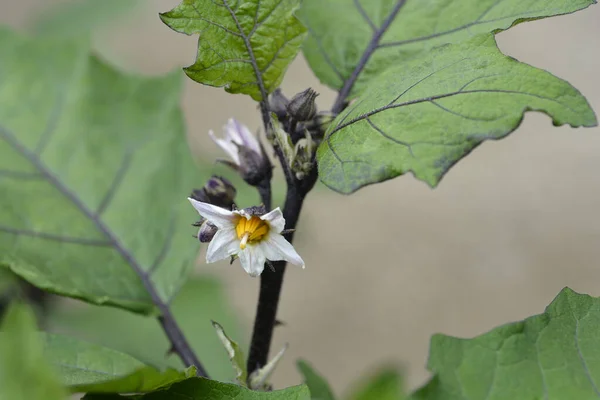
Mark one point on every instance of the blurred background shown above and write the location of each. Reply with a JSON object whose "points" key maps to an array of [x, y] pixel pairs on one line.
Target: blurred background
{"points": [[391, 265]]}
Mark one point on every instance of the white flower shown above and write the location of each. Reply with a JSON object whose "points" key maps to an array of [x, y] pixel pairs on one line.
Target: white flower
{"points": [[237, 136], [252, 238]]}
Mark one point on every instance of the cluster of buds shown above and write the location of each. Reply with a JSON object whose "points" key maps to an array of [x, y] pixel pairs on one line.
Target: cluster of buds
{"points": [[298, 129]]}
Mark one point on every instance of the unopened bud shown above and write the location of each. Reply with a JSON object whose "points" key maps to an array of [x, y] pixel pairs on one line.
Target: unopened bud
{"points": [[217, 191], [278, 104], [302, 107], [206, 232]]}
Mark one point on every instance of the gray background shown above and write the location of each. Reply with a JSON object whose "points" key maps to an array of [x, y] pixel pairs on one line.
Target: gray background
{"points": [[389, 266]]}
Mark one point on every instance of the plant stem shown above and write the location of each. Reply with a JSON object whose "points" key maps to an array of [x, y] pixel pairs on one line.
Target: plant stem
{"points": [[264, 190], [272, 281], [344, 92]]}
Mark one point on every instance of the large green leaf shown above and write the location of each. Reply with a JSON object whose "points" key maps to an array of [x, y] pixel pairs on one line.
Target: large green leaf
{"points": [[87, 367], [199, 301], [204, 389], [390, 31], [94, 172], [424, 115], [319, 388], [553, 356], [24, 373], [245, 46]]}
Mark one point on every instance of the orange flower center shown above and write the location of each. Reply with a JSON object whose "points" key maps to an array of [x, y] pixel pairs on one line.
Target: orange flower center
{"points": [[251, 230]]}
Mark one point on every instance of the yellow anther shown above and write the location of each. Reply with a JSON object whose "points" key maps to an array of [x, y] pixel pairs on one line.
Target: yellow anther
{"points": [[251, 230]]}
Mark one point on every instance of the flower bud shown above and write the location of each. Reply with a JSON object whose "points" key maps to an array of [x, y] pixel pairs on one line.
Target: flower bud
{"points": [[206, 232], [248, 157], [217, 191], [302, 107], [278, 104]]}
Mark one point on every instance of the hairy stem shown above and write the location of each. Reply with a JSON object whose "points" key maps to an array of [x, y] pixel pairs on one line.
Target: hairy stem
{"points": [[344, 92]]}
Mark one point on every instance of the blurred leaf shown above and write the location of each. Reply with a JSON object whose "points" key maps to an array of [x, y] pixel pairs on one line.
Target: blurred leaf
{"points": [[319, 388], [243, 45], [79, 17], [341, 30], [199, 301], [424, 115], [204, 389], [554, 355], [24, 373], [94, 174], [235, 353], [385, 385], [88, 367]]}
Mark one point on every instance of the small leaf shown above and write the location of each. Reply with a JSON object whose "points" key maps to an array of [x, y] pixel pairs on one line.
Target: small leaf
{"points": [[235, 353], [554, 355], [94, 174], [199, 301], [204, 389], [384, 385], [87, 367], [244, 46], [426, 114], [319, 388], [24, 373], [259, 378], [391, 31]]}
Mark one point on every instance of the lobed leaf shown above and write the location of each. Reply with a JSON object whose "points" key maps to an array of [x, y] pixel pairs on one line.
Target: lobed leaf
{"points": [[554, 356], [244, 46], [389, 32], [94, 172], [424, 115]]}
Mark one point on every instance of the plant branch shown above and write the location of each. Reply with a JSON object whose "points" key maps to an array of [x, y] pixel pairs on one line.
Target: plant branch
{"points": [[271, 282], [344, 92], [264, 190]]}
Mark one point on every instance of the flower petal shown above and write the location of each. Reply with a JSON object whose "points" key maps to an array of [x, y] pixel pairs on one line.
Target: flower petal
{"points": [[253, 260], [247, 138], [276, 248], [223, 245], [227, 146], [220, 217], [275, 219]]}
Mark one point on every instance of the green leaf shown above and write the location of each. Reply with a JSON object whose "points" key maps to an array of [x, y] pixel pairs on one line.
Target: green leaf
{"points": [[384, 385], [554, 356], [424, 115], [24, 373], [319, 388], [94, 174], [235, 353], [79, 17], [244, 46], [199, 301], [343, 31], [88, 367], [204, 389]]}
